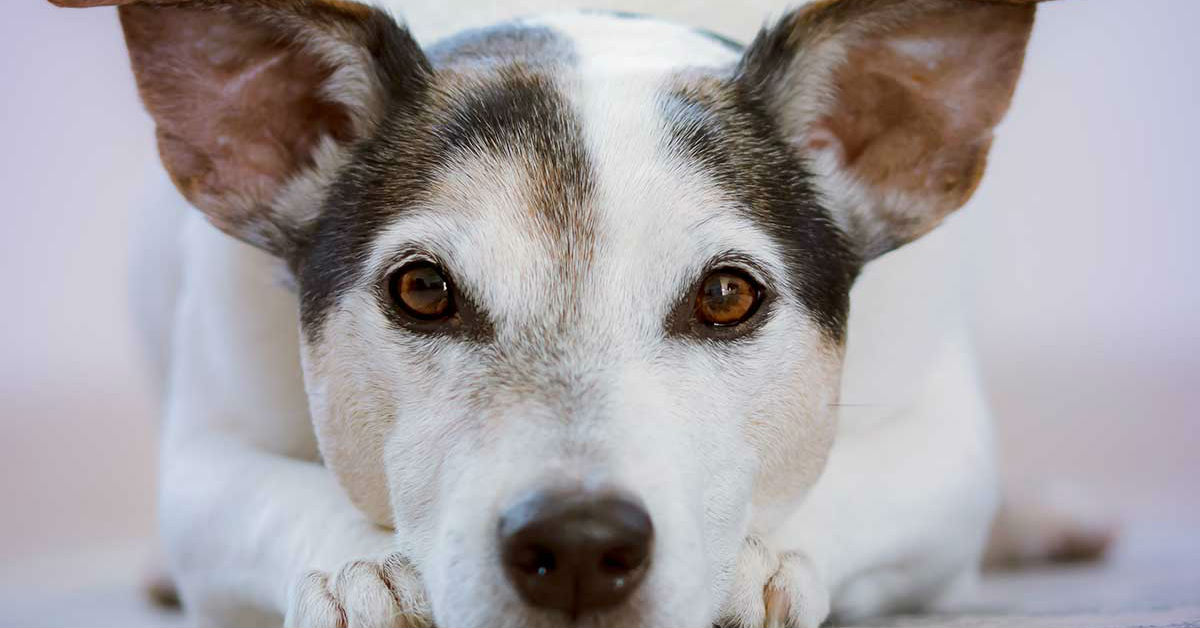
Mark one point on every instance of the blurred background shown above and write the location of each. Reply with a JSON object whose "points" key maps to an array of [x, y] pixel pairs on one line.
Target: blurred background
{"points": [[1084, 294]]}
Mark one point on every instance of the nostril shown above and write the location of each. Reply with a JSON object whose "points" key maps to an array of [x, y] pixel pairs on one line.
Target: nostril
{"points": [[533, 560], [622, 560]]}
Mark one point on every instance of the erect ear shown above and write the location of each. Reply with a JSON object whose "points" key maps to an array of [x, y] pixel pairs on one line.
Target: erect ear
{"points": [[258, 101], [892, 103]]}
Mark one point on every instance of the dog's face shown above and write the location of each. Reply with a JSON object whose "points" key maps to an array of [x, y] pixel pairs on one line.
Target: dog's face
{"points": [[589, 290], [574, 289]]}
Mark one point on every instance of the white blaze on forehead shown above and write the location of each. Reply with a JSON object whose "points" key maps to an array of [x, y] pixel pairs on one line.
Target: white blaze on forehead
{"points": [[660, 216]]}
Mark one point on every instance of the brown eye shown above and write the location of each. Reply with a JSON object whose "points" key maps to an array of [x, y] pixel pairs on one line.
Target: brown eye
{"points": [[727, 297], [422, 291]]}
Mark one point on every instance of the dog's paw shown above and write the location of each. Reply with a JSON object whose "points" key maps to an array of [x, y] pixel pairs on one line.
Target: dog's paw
{"points": [[775, 591], [363, 593]]}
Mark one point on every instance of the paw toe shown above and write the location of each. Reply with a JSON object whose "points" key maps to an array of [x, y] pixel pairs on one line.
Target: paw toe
{"points": [[366, 596], [796, 596], [313, 604]]}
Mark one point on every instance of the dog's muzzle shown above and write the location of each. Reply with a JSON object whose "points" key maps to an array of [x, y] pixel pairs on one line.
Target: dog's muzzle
{"points": [[576, 551]]}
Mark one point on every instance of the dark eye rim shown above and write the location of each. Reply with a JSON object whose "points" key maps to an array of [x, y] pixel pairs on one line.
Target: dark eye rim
{"points": [[682, 322], [393, 280], [468, 321], [734, 271]]}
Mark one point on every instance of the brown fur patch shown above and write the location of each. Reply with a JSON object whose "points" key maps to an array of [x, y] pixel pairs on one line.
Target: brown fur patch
{"points": [[238, 109], [243, 93], [905, 93], [920, 125]]}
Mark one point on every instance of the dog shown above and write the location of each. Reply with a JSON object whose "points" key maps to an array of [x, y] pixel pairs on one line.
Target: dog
{"points": [[560, 321]]}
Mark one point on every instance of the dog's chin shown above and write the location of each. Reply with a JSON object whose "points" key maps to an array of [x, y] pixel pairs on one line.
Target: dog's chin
{"points": [[483, 602], [519, 614]]}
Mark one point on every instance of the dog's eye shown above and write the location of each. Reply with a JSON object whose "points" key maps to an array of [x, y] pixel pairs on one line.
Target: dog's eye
{"points": [[422, 291], [727, 297]]}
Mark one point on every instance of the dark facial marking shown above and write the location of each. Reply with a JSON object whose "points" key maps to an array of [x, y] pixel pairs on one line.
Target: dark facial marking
{"points": [[722, 124], [510, 110], [522, 116]]}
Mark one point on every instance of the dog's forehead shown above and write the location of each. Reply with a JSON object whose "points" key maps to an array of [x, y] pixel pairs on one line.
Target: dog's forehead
{"points": [[572, 157], [618, 40]]}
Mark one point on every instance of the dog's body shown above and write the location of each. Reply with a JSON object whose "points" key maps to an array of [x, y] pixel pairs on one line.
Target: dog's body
{"points": [[899, 551], [872, 492]]}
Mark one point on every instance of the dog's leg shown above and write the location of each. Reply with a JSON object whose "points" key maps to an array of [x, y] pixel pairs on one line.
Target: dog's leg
{"points": [[246, 528], [246, 509], [903, 507]]}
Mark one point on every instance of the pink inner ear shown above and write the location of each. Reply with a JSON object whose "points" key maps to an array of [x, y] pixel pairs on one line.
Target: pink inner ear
{"points": [[238, 106], [916, 106]]}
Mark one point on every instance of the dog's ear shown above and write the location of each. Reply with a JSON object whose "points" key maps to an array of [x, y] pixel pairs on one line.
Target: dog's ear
{"points": [[258, 101], [892, 103]]}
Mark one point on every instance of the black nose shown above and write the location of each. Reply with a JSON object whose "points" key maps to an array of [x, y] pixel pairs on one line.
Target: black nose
{"points": [[576, 552]]}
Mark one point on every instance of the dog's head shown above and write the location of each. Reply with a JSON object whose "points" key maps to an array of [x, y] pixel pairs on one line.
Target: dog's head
{"points": [[574, 290]]}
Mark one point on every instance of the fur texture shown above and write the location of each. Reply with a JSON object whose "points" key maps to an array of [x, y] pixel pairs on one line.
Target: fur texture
{"points": [[576, 175]]}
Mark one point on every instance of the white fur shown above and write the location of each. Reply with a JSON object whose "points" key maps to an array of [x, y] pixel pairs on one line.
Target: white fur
{"points": [[897, 516]]}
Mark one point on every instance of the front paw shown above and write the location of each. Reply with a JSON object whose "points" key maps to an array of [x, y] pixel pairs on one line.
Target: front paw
{"points": [[775, 590], [386, 593]]}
